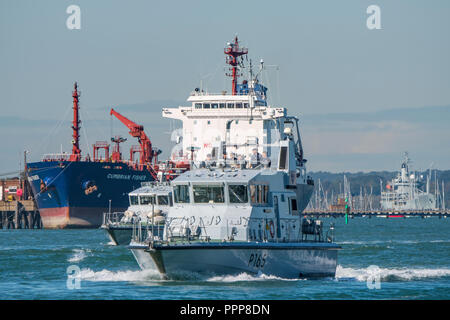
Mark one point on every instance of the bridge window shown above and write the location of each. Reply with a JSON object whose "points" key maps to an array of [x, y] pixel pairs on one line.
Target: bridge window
{"points": [[221, 105], [294, 209], [198, 106], [181, 193], [147, 200], [230, 105], [238, 193], [208, 194], [163, 200], [206, 106], [259, 193], [283, 159], [134, 201], [238, 105], [214, 152], [245, 105], [214, 105]]}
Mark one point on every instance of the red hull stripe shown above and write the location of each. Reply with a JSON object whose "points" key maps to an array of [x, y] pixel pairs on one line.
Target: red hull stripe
{"points": [[65, 217]]}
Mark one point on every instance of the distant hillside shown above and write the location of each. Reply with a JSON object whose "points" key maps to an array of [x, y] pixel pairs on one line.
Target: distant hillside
{"points": [[333, 183]]}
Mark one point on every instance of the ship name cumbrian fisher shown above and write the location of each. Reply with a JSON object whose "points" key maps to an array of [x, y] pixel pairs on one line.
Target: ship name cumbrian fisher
{"points": [[125, 176]]}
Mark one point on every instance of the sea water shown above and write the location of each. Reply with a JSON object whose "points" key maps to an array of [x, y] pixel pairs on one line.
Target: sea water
{"points": [[381, 258]]}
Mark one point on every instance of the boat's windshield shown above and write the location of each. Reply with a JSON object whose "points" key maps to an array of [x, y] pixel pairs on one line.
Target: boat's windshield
{"points": [[146, 199], [134, 201], [238, 193], [181, 193], [208, 194], [163, 200]]}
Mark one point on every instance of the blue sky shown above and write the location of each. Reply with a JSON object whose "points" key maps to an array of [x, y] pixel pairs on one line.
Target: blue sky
{"points": [[364, 96]]}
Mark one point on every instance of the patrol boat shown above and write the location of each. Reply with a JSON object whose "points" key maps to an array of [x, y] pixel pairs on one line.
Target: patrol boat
{"points": [[240, 207], [148, 207]]}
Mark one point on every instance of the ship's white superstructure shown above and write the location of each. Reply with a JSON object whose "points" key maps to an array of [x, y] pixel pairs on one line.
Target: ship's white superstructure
{"points": [[227, 134]]}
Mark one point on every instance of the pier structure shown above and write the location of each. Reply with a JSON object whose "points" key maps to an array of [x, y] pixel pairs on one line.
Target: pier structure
{"points": [[20, 214], [442, 213], [18, 209]]}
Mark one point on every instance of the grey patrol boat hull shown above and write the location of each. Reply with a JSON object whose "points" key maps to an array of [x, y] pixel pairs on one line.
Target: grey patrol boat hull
{"points": [[119, 235], [285, 260], [142, 257]]}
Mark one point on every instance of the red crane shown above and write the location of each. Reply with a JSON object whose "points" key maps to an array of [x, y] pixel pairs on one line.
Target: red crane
{"points": [[146, 153]]}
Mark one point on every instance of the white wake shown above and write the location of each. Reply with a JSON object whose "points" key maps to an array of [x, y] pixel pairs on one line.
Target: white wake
{"points": [[79, 255], [387, 274], [127, 275]]}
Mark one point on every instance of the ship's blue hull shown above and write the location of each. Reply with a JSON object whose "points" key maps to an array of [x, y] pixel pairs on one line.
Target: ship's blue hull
{"points": [[76, 194]]}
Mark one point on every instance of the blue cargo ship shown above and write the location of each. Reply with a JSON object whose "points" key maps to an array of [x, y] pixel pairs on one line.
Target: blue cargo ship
{"points": [[72, 191], [75, 194]]}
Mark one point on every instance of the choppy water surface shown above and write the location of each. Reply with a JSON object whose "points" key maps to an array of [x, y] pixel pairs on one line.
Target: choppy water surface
{"points": [[410, 257]]}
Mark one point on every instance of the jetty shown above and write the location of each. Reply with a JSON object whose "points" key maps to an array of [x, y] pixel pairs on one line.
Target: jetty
{"points": [[378, 213], [21, 214]]}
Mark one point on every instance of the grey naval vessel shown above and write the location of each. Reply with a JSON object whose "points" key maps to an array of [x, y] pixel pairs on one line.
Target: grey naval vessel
{"points": [[239, 208], [405, 191]]}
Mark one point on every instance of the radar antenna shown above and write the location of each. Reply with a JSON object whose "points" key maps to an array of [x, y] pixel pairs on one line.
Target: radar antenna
{"points": [[235, 60], [76, 151]]}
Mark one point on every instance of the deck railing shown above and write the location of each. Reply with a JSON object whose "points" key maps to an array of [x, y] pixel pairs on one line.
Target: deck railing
{"points": [[110, 218]]}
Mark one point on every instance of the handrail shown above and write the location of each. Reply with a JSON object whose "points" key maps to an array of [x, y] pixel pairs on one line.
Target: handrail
{"points": [[56, 156], [110, 218]]}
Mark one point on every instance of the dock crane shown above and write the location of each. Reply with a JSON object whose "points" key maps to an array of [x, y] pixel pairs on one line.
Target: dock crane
{"points": [[146, 153]]}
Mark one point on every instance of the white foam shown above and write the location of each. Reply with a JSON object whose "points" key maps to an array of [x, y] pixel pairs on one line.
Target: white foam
{"points": [[246, 277], [342, 273], [362, 274], [153, 275], [79, 255], [358, 242], [440, 241], [126, 275]]}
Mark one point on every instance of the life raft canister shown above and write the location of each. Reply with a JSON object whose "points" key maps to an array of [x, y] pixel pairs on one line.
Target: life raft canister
{"points": [[271, 228]]}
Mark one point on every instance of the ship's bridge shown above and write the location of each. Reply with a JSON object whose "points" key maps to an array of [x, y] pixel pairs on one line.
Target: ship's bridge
{"points": [[215, 125], [236, 126]]}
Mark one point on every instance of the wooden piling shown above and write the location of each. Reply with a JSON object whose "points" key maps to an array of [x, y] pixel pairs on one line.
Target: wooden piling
{"points": [[11, 224], [39, 221], [16, 218], [31, 220], [26, 223]]}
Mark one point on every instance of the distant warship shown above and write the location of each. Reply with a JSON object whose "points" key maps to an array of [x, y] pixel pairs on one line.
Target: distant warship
{"points": [[404, 193]]}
